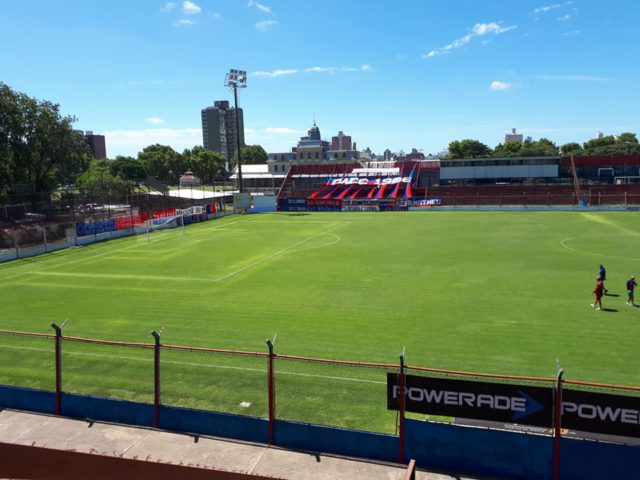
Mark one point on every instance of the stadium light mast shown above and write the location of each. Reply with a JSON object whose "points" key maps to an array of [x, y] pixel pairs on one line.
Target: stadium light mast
{"points": [[236, 79]]}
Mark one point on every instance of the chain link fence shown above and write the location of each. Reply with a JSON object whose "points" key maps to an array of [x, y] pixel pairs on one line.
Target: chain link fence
{"points": [[349, 395], [322, 392], [27, 361]]}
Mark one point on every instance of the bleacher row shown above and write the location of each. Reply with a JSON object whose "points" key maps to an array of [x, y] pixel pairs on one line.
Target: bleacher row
{"points": [[310, 181]]}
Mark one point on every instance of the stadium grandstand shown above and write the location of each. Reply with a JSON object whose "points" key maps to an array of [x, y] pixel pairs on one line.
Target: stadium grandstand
{"points": [[528, 181]]}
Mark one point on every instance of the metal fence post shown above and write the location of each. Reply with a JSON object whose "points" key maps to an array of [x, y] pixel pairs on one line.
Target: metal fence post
{"points": [[58, 361], [156, 378], [401, 398], [557, 424], [271, 392]]}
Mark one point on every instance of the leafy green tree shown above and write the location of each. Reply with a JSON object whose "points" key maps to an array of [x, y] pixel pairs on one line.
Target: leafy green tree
{"points": [[38, 146], [595, 143], [571, 148], [207, 165], [627, 137], [98, 181], [163, 162], [540, 148], [468, 149], [127, 168], [509, 149], [251, 154]]}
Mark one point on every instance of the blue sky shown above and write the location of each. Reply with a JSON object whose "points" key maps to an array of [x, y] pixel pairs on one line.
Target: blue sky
{"points": [[393, 74]]}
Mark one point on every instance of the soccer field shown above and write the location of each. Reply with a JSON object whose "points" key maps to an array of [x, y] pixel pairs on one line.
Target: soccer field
{"points": [[496, 292]]}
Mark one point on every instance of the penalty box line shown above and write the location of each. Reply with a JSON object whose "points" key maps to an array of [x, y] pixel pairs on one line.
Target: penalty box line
{"points": [[195, 364], [186, 279]]}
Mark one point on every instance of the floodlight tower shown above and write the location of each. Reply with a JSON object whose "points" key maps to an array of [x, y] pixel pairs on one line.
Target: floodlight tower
{"points": [[236, 79]]}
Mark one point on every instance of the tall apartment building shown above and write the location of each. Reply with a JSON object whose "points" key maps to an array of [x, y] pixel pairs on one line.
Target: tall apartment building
{"points": [[219, 129], [341, 142], [97, 145]]}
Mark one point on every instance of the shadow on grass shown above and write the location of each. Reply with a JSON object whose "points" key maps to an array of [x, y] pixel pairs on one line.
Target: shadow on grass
{"points": [[609, 310], [612, 294]]}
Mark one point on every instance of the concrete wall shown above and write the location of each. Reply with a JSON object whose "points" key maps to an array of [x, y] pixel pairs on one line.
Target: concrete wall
{"points": [[505, 171]]}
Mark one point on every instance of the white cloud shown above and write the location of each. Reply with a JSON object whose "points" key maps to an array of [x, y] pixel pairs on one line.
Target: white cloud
{"points": [[274, 73], [500, 86], [167, 7], [478, 30], [154, 120], [320, 69], [265, 25], [183, 22], [135, 140], [190, 8], [366, 68], [280, 130], [571, 33], [574, 78], [260, 6], [546, 8], [564, 18]]}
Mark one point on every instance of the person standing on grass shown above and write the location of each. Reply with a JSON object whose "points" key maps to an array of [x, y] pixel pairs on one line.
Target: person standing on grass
{"points": [[603, 276], [631, 285], [598, 292]]}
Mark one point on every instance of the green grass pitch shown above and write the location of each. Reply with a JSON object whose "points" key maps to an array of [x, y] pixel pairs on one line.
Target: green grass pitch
{"points": [[496, 292]]}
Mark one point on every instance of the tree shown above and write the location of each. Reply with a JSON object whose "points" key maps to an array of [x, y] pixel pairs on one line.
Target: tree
{"points": [[540, 148], [627, 137], [468, 149], [98, 182], [207, 165], [571, 148], [38, 146], [509, 149], [163, 162], [251, 154], [127, 168]]}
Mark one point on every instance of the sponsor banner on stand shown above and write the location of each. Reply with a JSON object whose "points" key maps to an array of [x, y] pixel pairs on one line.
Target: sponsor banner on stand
{"points": [[497, 402], [426, 202], [368, 181], [601, 413]]}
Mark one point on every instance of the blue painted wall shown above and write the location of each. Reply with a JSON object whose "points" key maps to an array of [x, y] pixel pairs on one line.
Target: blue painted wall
{"points": [[212, 423], [353, 443], [480, 451], [586, 459], [27, 399], [106, 409]]}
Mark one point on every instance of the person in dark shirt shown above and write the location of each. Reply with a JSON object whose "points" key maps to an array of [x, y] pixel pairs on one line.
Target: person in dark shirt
{"points": [[631, 285], [598, 291], [602, 275]]}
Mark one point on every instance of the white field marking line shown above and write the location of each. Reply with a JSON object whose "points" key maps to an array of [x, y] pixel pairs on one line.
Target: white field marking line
{"points": [[336, 240], [194, 364], [89, 259], [84, 286], [182, 279], [595, 218], [264, 259], [563, 243]]}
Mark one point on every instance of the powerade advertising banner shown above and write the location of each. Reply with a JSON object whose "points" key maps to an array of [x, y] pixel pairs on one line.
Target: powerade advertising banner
{"points": [[601, 413], [496, 402], [368, 181]]}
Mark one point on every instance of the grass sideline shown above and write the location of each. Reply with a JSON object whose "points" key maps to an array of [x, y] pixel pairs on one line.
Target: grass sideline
{"points": [[495, 292]]}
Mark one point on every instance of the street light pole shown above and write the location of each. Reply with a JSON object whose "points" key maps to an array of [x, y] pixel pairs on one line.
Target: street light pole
{"points": [[237, 79]]}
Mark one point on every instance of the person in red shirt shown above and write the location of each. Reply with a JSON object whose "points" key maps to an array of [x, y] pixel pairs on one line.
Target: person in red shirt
{"points": [[631, 285], [598, 292]]}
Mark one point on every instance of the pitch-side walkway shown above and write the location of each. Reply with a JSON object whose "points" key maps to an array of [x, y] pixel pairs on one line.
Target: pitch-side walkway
{"points": [[27, 429]]}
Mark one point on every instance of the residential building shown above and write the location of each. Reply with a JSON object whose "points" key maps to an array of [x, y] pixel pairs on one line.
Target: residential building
{"points": [[311, 149], [414, 156], [96, 143], [219, 129], [513, 137], [341, 142]]}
